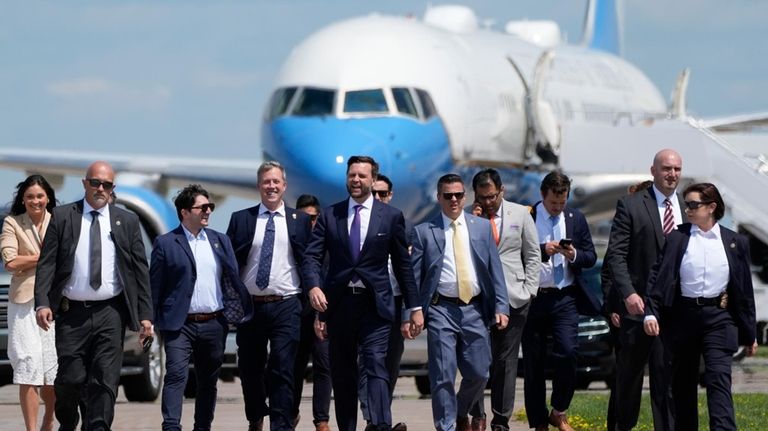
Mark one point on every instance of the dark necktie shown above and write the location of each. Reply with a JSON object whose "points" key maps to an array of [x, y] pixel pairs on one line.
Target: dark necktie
{"points": [[265, 257], [354, 239], [669, 220], [557, 260], [95, 243]]}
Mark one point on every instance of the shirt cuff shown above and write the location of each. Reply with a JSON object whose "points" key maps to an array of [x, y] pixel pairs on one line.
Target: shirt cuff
{"points": [[575, 252], [649, 318]]}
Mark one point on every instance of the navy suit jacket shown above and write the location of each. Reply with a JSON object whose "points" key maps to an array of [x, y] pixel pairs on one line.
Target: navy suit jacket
{"points": [[664, 284], [172, 275], [386, 237], [587, 302], [427, 257]]}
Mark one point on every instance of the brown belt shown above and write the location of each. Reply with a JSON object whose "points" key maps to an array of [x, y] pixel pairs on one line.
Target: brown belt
{"points": [[203, 317], [260, 299]]}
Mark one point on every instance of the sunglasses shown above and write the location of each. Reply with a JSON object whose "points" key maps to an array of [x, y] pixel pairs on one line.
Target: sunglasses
{"points": [[93, 182], [694, 205], [381, 193], [449, 196], [204, 207]]}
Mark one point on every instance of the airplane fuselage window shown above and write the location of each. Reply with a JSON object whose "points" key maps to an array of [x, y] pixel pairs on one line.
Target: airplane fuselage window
{"points": [[365, 101], [404, 101], [426, 104], [280, 101], [314, 102]]}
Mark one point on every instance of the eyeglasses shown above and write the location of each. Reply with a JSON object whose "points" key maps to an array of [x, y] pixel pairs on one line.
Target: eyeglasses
{"points": [[694, 205], [491, 197], [204, 207], [93, 182], [381, 193], [449, 196]]}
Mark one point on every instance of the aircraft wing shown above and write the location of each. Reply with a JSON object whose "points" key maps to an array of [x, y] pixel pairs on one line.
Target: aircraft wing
{"points": [[220, 176], [738, 123]]}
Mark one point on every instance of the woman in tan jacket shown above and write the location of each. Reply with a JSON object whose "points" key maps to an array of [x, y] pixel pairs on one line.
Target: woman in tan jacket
{"points": [[31, 350]]}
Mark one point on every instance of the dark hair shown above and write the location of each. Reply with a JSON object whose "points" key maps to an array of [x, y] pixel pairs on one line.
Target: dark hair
{"points": [[486, 177], [382, 177], [638, 187], [305, 201], [557, 183], [17, 207], [365, 159], [448, 179], [185, 198], [709, 194]]}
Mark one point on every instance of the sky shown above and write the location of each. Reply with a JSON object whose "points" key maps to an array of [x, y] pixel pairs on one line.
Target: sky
{"points": [[192, 77]]}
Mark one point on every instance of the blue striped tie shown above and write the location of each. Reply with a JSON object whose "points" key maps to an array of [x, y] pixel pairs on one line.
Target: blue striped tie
{"points": [[265, 257]]}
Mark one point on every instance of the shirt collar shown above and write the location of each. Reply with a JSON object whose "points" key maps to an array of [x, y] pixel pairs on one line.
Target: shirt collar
{"points": [[460, 220], [541, 209], [280, 209], [367, 204], [200, 236], [660, 197], [87, 208], [712, 233]]}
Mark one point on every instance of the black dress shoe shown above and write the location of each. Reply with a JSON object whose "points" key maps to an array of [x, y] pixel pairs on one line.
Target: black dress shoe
{"points": [[401, 426], [256, 426]]}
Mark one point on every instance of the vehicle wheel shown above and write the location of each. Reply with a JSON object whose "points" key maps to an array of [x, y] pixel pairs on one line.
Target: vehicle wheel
{"points": [[146, 386], [422, 385]]}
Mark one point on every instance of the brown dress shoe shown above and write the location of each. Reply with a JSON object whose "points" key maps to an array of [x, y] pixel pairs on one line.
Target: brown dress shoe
{"points": [[401, 426], [560, 421], [462, 424], [322, 426], [478, 424]]}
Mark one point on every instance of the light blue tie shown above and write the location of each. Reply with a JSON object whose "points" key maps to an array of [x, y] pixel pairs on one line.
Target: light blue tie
{"points": [[557, 259], [265, 257]]}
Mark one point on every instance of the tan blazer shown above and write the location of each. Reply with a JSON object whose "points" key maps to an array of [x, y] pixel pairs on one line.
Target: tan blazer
{"points": [[20, 238]]}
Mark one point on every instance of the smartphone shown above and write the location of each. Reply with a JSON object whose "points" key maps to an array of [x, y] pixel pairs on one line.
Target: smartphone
{"points": [[147, 343], [565, 242]]}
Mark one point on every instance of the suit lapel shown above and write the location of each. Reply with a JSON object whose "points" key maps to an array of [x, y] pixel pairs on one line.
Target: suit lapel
{"points": [[681, 204], [216, 246], [181, 239], [33, 239], [475, 236], [568, 222], [652, 208], [340, 213], [438, 233], [76, 221], [250, 222], [290, 221], [729, 243], [373, 226]]}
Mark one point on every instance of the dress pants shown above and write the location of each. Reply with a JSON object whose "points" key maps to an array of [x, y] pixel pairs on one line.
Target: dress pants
{"points": [[89, 343], [261, 372], [355, 329], [555, 314], [203, 343], [309, 344], [457, 339], [639, 349], [505, 345]]}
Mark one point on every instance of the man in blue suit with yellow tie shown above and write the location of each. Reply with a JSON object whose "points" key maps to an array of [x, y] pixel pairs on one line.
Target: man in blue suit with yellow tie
{"points": [[463, 293]]}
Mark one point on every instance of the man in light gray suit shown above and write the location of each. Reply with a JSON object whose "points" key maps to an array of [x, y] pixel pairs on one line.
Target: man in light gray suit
{"points": [[462, 292], [515, 234]]}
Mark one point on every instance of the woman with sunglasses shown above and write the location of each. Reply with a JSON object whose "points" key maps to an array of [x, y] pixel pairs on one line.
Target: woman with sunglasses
{"points": [[31, 350], [700, 300]]}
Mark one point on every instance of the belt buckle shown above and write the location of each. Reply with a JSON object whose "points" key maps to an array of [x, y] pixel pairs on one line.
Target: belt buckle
{"points": [[698, 301]]}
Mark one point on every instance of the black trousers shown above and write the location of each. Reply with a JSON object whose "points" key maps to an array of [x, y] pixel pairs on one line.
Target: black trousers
{"points": [[89, 345], [310, 345]]}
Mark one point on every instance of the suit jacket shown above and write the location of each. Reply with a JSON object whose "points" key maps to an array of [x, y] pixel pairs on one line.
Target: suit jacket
{"points": [[57, 259], [519, 252], [587, 302], [427, 257], [664, 284], [635, 242], [20, 238], [242, 228], [173, 273], [386, 237]]}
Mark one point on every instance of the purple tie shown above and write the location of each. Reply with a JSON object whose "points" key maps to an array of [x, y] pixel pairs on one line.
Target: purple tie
{"points": [[354, 239]]}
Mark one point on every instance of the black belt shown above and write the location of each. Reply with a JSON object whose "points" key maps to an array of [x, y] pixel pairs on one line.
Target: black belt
{"points": [[203, 317], [357, 290], [700, 301], [67, 303], [554, 289], [456, 300], [260, 299]]}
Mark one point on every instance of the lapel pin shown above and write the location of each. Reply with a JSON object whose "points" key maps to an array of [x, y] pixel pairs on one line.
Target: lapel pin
{"points": [[733, 245], [294, 216], [117, 222], [216, 245]]}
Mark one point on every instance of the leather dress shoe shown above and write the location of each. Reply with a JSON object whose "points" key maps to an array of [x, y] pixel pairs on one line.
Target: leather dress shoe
{"points": [[322, 426], [478, 424], [401, 426], [560, 421], [542, 428], [462, 424], [256, 426]]}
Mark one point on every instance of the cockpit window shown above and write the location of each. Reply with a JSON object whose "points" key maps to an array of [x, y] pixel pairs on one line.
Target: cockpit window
{"points": [[280, 101], [314, 102], [365, 101], [404, 101], [426, 104]]}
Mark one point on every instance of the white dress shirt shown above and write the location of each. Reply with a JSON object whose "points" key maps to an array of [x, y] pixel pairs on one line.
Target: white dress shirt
{"points": [[365, 219], [704, 270], [78, 287], [449, 284], [206, 295], [662, 207], [283, 274], [544, 229]]}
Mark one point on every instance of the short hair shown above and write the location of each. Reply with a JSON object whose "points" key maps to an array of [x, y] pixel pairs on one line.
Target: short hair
{"points": [[448, 179], [382, 177], [185, 198], [365, 159], [639, 187], [486, 177], [305, 201], [709, 194], [266, 166], [33, 180], [557, 183]]}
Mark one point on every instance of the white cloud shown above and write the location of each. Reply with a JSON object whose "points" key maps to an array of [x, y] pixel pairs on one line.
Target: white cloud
{"points": [[79, 87]]}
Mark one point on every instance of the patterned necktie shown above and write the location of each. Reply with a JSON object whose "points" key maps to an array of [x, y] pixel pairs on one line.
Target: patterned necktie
{"points": [[494, 229], [557, 258], [669, 220], [95, 244], [354, 239], [265, 257], [462, 265]]}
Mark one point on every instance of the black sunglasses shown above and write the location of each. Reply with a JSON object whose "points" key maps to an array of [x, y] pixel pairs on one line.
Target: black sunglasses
{"points": [[93, 182], [694, 205], [449, 196], [204, 207], [381, 193]]}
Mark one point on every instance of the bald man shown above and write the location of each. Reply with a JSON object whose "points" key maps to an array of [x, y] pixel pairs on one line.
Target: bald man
{"points": [[92, 279]]}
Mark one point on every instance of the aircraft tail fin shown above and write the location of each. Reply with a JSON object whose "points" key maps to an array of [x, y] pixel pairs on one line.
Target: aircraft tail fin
{"points": [[603, 26]]}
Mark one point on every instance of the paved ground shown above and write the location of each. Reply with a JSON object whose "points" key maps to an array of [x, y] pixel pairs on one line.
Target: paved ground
{"points": [[750, 376]]}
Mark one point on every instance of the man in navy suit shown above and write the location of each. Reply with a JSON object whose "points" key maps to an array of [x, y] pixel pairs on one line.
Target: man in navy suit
{"points": [[560, 299], [196, 292], [463, 291], [356, 304], [269, 241]]}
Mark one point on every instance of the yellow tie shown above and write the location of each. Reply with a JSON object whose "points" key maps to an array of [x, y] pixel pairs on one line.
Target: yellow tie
{"points": [[462, 265]]}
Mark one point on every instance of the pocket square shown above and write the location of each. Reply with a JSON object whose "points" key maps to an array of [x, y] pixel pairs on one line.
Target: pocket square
{"points": [[514, 226]]}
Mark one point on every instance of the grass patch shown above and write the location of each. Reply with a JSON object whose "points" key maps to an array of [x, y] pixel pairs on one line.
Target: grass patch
{"points": [[587, 412], [762, 351]]}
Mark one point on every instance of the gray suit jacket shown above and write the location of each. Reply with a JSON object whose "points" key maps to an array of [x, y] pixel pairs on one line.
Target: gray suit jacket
{"points": [[519, 252]]}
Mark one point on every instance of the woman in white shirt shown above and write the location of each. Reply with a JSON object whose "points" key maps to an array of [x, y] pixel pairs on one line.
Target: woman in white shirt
{"points": [[700, 300]]}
